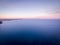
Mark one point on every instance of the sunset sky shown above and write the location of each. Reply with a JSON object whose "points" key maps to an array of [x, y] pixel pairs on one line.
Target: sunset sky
{"points": [[30, 9]]}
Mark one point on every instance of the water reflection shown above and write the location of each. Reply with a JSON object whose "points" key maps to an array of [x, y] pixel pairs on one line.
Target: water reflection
{"points": [[30, 32]]}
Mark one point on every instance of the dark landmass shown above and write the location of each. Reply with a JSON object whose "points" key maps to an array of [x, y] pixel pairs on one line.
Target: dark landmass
{"points": [[0, 22], [9, 19]]}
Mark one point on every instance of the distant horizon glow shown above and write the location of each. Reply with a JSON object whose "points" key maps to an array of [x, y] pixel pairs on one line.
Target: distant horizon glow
{"points": [[41, 9], [30, 17]]}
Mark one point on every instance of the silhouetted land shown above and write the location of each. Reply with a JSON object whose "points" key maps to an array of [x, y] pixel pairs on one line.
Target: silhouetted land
{"points": [[9, 19], [0, 22]]}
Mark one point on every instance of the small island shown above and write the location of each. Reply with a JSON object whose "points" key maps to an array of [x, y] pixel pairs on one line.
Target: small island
{"points": [[0, 22]]}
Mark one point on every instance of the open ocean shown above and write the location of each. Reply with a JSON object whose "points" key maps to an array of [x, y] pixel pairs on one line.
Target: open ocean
{"points": [[30, 32]]}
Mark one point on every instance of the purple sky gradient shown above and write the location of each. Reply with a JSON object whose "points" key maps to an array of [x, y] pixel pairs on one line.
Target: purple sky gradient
{"points": [[29, 8]]}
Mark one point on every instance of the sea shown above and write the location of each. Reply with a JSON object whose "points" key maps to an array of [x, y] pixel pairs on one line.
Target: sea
{"points": [[30, 32]]}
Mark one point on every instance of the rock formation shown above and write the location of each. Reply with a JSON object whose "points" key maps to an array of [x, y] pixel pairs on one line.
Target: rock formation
{"points": [[0, 22]]}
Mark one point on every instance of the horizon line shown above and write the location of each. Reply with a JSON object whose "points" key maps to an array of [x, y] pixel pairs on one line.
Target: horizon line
{"points": [[29, 18]]}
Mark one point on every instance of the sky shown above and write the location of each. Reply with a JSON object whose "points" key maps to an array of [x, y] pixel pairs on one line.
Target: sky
{"points": [[30, 9]]}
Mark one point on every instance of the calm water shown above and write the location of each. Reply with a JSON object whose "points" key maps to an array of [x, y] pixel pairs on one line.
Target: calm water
{"points": [[28, 31]]}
